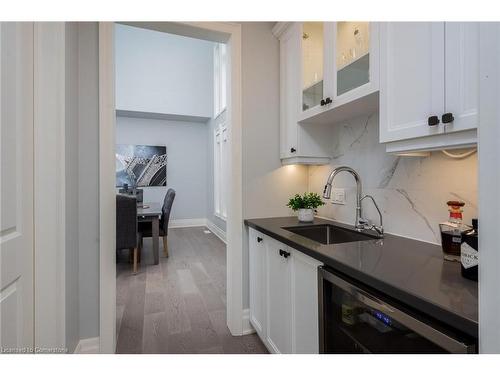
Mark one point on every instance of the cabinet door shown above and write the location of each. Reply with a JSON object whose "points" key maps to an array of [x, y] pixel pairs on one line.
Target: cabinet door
{"points": [[462, 75], [305, 331], [279, 330], [411, 79], [289, 89], [257, 277], [356, 58]]}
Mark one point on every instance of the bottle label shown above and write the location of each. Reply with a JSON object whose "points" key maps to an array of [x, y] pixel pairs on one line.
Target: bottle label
{"points": [[468, 256]]}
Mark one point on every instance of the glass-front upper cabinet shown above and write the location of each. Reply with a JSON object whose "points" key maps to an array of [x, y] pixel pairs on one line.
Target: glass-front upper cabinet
{"points": [[352, 55], [312, 42]]}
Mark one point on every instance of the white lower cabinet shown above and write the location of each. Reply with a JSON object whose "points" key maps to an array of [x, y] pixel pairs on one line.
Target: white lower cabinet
{"points": [[283, 295], [257, 271]]}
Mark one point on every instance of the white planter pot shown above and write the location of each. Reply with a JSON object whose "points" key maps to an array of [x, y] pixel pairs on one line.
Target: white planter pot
{"points": [[306, 215]]}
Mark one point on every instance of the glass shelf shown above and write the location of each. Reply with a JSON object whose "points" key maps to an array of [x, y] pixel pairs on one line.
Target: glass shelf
{"points": [[352, 55]]}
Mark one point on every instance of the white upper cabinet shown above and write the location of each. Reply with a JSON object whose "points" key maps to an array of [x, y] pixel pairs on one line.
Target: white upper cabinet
{"points": [[412, 76], [298, 145], [461, 75], [428, 85], [339, 70]]}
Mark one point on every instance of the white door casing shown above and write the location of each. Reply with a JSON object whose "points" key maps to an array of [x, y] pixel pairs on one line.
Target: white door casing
{"points": [[16, 181]]}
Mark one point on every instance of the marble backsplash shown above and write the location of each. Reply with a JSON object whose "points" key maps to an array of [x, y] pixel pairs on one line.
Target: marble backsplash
{"points": [[410, 191]]}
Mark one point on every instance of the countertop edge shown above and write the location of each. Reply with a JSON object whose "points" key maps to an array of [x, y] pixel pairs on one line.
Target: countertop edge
{"points": [[447, 317]]}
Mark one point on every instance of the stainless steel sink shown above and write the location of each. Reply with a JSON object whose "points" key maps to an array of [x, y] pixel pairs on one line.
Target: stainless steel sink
{"points": [[328, 234]]}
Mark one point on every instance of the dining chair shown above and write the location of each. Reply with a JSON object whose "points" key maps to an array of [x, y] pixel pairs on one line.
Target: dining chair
{"points": [[145, 228], [127, 234]]}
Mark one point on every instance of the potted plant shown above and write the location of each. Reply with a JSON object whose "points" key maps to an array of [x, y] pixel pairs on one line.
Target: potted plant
{"points": [[305, 204]]}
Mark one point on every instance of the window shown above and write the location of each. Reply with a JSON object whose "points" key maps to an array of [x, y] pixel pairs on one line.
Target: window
{"points": [[220, 170], [220, 78]]}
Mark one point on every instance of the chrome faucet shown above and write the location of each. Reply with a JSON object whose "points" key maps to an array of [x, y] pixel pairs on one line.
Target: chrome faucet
{"points": [[360, 223]]}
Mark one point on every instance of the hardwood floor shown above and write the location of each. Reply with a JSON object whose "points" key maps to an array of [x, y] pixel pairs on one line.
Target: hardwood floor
{"points": [[178, 306]]}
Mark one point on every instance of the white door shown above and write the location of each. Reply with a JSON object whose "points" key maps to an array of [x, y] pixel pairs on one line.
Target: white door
{"points": [[462, 75], [289, 89], [411, 79], [305, 328], [16, 181], [279, 302], [257, 260]]}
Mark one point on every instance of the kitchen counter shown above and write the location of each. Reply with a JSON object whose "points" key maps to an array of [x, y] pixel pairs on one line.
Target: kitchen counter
{"points": [[409, 271]]}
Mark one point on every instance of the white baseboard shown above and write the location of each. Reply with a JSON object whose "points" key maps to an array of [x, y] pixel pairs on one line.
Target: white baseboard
{"points": [[184, 223], [216, 230], [247, 327], [88, 346]]}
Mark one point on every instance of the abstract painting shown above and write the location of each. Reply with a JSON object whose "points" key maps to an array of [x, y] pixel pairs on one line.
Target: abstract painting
{"points": [[141, 165]]}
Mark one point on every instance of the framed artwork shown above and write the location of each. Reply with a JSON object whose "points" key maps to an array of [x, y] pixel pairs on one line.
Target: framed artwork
{"points": [[141, 165]]}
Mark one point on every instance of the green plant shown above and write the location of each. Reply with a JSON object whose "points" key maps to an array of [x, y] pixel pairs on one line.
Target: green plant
{"points": [[307, 200]]}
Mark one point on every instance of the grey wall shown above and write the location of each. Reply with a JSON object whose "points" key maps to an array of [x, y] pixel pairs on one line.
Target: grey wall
{"points": [[71, 193], [412, 192], [163, 73], [88, 178], [187, 155], [266, 184]]}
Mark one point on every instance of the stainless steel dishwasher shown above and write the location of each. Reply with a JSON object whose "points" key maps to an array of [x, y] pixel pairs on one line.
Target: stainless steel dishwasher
{"points": [[353, 320]]}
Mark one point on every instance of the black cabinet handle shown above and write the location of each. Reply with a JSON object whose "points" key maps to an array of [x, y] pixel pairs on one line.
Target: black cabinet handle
{"points": [[328, 100], [322, 102], [284, 253], [447, 118], [433, 120], [292, 150], [259, 239]]}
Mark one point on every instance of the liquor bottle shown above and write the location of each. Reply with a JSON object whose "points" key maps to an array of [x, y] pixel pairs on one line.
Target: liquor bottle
{"points": [[469, 253], [452, 231]]}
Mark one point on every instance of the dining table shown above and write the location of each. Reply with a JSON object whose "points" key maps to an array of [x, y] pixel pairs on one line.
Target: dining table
{"points": [[151, 212]]}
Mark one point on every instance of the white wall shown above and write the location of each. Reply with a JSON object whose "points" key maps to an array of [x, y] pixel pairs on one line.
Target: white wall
{"points": [[163, 73], [411, 192], [267, 185], [187, 155]]}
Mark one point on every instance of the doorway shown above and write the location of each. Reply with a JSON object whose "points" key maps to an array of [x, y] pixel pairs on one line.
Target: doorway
{"points": [[216, 32]]}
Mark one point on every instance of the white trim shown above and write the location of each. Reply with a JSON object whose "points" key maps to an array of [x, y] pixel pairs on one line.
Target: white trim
{"points": [[87, 346], [489, 185], [306, 160], [280, 27], [107, 199], [216, 230], [49, 183], [247, 326], [222, 32], [185, 223]]}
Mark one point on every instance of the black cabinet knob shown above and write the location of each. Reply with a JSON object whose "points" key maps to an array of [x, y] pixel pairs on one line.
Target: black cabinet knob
{"points": [[292, 150], [447, 118], [328, 100], [433, 120], [259, 239], [284, 253], [322, 102]]}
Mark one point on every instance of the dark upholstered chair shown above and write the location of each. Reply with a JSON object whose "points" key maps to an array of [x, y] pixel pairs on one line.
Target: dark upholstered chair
{"points": [[127, 236], [145, 228]]}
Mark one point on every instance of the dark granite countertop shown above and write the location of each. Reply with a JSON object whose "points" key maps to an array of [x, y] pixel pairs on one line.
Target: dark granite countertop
{"points": [[410, 271]]}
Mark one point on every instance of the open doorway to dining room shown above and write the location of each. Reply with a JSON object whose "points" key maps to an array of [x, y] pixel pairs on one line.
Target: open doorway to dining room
{"points": [[175, 192]]}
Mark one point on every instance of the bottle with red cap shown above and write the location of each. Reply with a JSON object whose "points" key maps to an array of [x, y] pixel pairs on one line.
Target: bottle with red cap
{"points": [[452, 231]]}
